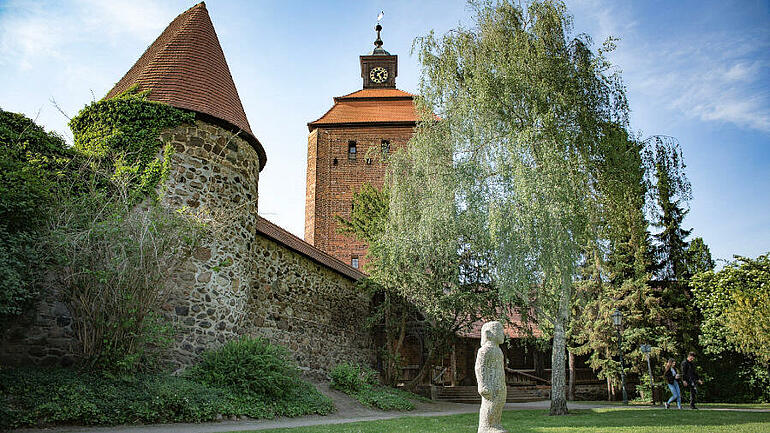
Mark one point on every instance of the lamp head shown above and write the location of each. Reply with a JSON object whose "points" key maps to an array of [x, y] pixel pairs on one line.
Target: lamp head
{"points": [[617, 318]]}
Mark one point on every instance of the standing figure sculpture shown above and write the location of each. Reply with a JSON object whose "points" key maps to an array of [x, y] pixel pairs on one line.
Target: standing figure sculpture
{"points": [[490, 375]]}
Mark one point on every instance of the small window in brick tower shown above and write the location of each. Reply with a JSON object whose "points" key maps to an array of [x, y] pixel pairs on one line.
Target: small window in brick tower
{"points": [[352, 149], [354, 262], [385, 148]]}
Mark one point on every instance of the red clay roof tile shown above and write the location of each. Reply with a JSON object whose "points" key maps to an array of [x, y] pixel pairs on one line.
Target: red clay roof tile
{"points": [[287, 239], [370, 106], [186, 68]]}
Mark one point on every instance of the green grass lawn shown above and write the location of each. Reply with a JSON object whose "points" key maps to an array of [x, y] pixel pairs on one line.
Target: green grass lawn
{"points": [[579, 421], [686, 404]]}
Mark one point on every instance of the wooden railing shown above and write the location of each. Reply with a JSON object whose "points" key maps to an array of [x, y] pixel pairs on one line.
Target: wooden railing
{"points": [[527, 376]]}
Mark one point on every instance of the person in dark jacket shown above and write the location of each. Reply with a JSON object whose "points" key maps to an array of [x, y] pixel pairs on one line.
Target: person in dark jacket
{"points": [[672, 378], [690, 378]]}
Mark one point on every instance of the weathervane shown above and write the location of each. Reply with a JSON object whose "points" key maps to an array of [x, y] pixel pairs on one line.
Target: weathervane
{"points": [[378, 27]]}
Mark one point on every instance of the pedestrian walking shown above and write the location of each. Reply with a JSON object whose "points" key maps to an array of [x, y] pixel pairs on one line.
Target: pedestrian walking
{"points": [[690, 378], [672, 378]]}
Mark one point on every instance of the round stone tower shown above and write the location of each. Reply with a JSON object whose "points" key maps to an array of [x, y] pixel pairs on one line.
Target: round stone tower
{"points": [[215, 171]]}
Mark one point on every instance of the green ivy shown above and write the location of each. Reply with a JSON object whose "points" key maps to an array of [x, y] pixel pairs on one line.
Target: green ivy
{"points": [[125, 131]]}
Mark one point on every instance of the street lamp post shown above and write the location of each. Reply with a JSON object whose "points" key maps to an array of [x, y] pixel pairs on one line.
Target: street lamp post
{"points": [[646, 349], [617, 319]]}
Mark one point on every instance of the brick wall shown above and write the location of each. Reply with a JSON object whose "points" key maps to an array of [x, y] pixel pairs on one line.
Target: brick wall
{"points": [[330, 186]]}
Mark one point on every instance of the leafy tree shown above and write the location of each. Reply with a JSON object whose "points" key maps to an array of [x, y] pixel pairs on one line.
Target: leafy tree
{"points": [[735, 303], [499, 192], [395, 306], [30, 162], [369, 214], [698, 257]]}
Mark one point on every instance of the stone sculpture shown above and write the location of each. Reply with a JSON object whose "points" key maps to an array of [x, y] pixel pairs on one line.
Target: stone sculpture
{"points": [[490, 375]]}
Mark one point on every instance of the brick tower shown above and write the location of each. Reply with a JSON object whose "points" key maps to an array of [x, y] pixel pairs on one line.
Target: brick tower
{"points": [[349, 145]]}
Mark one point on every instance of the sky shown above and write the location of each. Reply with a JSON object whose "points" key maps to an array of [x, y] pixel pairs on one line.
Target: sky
{"points": [[695, 70]]}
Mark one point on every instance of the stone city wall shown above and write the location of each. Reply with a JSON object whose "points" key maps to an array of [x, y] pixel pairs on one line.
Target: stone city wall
{"points": [[238, 282]]}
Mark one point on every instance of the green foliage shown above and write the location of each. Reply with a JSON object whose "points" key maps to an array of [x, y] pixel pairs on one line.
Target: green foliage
{"points": [[19, 255], [351, 378], [618, 278], [669, 190], [735, 303], [361, 383], [260, 380], [699, 257], [733, 377], [124, 134], [33, 396], [31, 163], [59, 396], [250, 365], [369, 215], [74, 211], [508, 175], [114, 262]]}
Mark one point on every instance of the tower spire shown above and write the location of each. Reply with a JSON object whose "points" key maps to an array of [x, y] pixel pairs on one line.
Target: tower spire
{"points": [[378, 50]]}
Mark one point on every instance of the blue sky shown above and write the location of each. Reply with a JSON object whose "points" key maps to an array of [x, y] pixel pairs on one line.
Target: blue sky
{"points": [[695, 70]]}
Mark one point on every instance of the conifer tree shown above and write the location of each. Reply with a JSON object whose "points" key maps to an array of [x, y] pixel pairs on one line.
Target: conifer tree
{"points": [[670, 192], [618, 279]]}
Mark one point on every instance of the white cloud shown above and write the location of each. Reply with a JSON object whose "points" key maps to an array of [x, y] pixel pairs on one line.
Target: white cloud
{"points": [[711, 76], [33, 34]]}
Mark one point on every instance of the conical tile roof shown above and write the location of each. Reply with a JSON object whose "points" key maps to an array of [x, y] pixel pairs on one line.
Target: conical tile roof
{"points": [[186, 68]]}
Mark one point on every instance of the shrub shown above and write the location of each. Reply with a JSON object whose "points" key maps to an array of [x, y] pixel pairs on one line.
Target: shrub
{"points": [[61, 396], [351, 378], [31, 161], [114, 268], [36, 397], [250, 365], [360, 382], [19, 269], [260, 378]]}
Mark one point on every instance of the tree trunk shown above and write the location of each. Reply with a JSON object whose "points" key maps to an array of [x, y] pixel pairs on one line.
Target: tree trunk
{"points": [[454, 365], [558, 354], [571, 391], [537, 359], [610, 390]]}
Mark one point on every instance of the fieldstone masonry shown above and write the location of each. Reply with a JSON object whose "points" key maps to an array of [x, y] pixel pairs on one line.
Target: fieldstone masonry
{"points": [[213, 172], [238, 282]]}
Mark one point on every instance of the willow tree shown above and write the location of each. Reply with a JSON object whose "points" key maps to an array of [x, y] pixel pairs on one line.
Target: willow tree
{"points": [[506, 176]]}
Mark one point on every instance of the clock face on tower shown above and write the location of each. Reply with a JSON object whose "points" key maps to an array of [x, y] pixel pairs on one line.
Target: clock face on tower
{"points": [[378, 75]]}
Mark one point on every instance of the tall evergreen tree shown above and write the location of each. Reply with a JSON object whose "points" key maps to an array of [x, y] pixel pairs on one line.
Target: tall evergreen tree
{"points": [[618, 279], [670, 190]]}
